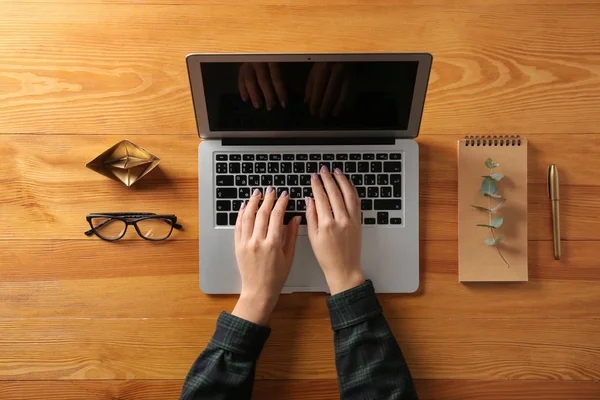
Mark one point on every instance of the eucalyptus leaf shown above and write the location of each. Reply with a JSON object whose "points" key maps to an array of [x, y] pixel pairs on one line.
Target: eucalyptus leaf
{"points": [[493, 195], [488, 187], [497, 222], [481, 208], [492, 241], [493, 177], [498, 205], [486, 226], [489, 163]]}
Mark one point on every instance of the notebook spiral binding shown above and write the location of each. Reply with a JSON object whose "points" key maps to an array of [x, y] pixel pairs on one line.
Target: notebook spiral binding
{"points": [[493, 141]]}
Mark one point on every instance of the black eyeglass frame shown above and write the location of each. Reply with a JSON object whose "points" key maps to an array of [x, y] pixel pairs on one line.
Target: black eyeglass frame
{"points": [[130, 218]]}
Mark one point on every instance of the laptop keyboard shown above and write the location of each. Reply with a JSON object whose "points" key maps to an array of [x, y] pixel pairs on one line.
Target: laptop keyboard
{"points": [[376, 175]]}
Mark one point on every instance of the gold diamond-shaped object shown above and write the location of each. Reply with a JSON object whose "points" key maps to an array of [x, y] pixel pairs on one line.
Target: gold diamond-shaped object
{"points": [[125, 161]]}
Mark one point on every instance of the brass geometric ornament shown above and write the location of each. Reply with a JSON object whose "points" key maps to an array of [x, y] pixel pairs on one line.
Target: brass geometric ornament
{"points": [[125, 161]]}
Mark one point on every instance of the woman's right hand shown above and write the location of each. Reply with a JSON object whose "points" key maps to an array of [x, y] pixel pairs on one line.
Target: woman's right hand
{"points": [[334, 229]]}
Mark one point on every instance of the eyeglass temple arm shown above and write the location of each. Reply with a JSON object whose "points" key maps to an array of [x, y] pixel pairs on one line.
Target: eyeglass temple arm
{"points": [[177, 226]]}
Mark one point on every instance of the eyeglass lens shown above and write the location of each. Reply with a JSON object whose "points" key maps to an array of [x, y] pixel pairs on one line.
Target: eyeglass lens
{"points": [[155, 228], [108, 228]]}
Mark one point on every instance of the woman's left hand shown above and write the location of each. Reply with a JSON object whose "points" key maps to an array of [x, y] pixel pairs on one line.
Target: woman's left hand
{"points": [[264, 250]]}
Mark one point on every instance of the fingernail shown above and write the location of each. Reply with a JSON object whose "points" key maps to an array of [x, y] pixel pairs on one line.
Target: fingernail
{"points": [[338, 171], [297, 220], [269, 189], [256, 105], [284, 193], [314, 176], [283, 105], [244, 98], [307, 201], [324, 168], [269, 107], [243, 206], [256, 192]]}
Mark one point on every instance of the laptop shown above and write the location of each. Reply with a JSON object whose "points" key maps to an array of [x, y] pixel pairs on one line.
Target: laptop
{"points": [[273, 119]]}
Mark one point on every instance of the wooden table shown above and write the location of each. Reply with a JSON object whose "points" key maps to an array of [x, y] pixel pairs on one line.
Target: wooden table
{"points": [[84, 319]]}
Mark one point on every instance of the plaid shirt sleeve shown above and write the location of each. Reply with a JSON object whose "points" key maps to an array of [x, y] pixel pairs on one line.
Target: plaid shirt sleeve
{"points": [[368, 359], [225, 369]]}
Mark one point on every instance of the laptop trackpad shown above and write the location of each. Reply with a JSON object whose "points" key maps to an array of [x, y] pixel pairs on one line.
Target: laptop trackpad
{"points": [[306, 274]]}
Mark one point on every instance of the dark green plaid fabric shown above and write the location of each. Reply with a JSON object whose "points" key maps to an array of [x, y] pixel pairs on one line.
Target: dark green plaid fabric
{"points": [[225, 369], [369, 362]]}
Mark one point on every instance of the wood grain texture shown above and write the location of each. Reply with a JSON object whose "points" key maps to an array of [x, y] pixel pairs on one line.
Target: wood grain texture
{"points": [[92, 390], [300, 390], [52, 191], [499, 66], [502, 390], [142, 280], [57, 348], [84, 319]]}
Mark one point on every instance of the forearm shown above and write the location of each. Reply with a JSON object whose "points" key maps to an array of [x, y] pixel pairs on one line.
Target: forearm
{"points": [[369, 361], [225, 369]]}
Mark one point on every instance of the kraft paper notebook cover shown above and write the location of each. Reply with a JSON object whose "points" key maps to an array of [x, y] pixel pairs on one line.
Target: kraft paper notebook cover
{"points": [[478, 261]]}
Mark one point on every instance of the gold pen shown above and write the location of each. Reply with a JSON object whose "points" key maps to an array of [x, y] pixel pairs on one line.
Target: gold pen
{"points": [[554, 195]]}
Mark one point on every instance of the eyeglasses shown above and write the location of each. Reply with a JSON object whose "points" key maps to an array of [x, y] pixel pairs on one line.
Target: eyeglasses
{"points": [[150, 226]]}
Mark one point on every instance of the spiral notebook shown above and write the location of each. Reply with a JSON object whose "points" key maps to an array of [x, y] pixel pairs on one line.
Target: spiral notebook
{"points": [[492, 209]]}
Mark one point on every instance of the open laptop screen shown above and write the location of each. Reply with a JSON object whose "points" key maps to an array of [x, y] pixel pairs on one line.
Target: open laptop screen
{"points": [[309, 96]]}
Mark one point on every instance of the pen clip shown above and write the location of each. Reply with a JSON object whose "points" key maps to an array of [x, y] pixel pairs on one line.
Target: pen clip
{"points": [[548, 182], [553, 189]]}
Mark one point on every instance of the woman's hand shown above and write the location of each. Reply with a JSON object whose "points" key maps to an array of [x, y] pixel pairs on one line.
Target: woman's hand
{"points": [[264, 254], [262, 83], [334, 230]]}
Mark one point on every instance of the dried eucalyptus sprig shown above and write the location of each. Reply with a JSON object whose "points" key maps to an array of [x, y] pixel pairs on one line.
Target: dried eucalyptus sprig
{"points": [[490, 190]]}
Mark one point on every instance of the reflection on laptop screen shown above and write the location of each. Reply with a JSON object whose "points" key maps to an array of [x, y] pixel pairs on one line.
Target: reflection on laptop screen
{"points": [[307, 96]]}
